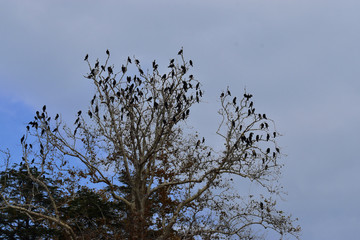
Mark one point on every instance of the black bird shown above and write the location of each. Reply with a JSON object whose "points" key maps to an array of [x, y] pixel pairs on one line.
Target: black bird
{"points": [[123, 68], [107, 52], [102, 67], [110, 70], [129, 59], [267, 137], [261, 205], [222, 95], [268, 150], [191, 63], [228, 92], [56, 117], [251, 104], [55, 130], [32, 161], [262, 126], [197, 86], [163, 76], [187, 112], [86, 57], [96, 109], [264, 116], [233, 123], [22, 139], [266, 125], [191, 77], [90, 114], [274, 154], [156, 105], [203, 140], [141, 71], [79, 113], [209, 154], [137, 62], [274, 133], [278, 150], [44, 108], [234, 101], [27, 128], [128, 78], [149, 99], [180, 52]]}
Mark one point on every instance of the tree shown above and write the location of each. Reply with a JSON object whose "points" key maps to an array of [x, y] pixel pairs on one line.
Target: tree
{"points": [[133, 146]]}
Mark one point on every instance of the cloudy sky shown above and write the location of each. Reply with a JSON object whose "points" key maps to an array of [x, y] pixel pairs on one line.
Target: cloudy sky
{"points": [[299, 58]]}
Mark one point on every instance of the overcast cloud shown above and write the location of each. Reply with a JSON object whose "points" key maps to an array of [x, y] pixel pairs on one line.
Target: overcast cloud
{"points": [[299, 58]]}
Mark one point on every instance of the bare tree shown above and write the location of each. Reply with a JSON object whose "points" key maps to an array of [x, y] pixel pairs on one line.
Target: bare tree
{"points": [[132, 143]]}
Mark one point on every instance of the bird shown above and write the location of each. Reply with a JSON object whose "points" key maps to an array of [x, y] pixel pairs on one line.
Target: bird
{"points": [[22, 139], [90, 114], [123, 69], [79, 113], [56, 117], [233, 123], [278, 150], [86, 57], [228, 92], [129, 60], [267, 137], [234, 101], [261, 205], [44, 108], [180, 52], [55, 130], [191, 63], [222, 95], [274, 133], [107, 52], [137, 62], [264, 116], [110, 70], [268, 150]]}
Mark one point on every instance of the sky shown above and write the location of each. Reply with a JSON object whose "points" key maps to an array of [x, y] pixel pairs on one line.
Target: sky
{"points": [[299, 58]]}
